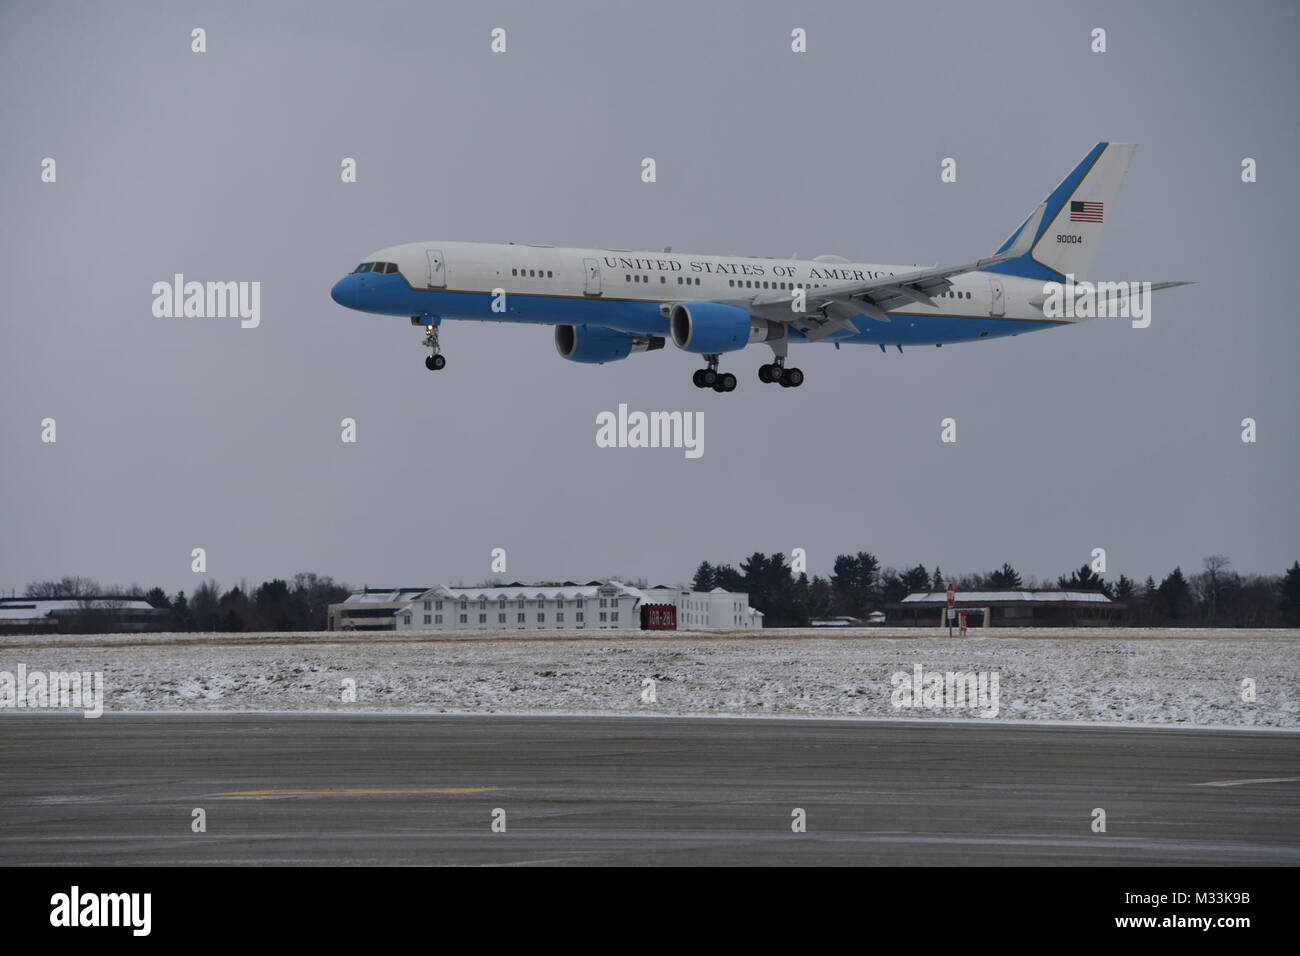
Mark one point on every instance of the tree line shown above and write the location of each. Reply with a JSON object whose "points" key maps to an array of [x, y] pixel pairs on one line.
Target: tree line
{"points": [[1216, 596], [275, 605]]}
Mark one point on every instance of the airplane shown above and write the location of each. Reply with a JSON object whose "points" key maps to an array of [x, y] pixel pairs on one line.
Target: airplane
{"points": [[606, 304]]}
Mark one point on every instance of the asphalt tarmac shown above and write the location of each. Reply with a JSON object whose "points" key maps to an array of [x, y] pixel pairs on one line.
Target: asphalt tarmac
{"points": [[277, 789]]}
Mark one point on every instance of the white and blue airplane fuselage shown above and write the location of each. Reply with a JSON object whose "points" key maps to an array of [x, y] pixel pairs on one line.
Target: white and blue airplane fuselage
{"points": [[609, 303]]}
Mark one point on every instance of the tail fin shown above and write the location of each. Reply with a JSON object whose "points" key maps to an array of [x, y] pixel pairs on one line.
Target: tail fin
{"points": [[1069, 233]]}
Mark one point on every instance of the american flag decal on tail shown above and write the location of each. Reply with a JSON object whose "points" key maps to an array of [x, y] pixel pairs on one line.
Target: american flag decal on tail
{"points": [[1085, 211]]}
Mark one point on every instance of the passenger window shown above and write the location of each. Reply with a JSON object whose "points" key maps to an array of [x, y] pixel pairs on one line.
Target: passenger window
{"points": [[548, 274]]}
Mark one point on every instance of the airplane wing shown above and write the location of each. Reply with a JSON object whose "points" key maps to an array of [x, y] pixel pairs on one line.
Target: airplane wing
{"points": [[831, 308]]}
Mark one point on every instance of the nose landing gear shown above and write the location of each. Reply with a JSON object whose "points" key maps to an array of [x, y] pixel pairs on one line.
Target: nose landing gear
{"points": [[437, 360]]}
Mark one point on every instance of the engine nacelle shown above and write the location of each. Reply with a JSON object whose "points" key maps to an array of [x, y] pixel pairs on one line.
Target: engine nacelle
{"points": [[595, 344], [708, 327]]}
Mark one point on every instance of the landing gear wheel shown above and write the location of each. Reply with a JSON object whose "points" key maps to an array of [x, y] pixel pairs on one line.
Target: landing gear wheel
{"points": [[435, 362], [791, 378], [726, 383], [696, 378], [708, 378], [765, 373]]}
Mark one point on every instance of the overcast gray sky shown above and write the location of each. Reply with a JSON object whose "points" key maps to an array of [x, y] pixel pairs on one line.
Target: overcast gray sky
{"points": [[182, 433]]}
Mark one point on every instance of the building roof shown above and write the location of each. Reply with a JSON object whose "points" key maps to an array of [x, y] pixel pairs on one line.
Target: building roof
{"points": [[1017, 596], [528, 592], [383, 595], [26, 608]]}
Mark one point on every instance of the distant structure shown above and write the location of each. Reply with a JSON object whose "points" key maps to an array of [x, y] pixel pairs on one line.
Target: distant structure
{"points": [[1012, 608], [715, 610], [591, 606], [78, 615], [371, 609], [522, 607]]}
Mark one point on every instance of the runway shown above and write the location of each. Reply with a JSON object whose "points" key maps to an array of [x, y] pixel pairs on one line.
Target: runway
{"points": [[280, 789]]}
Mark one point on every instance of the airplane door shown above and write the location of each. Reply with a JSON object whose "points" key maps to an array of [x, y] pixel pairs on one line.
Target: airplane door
{"points": [[437, 269], [592, 269], [997, 304]]}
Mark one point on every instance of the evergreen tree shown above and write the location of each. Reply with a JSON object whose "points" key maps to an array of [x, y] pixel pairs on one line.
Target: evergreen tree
{"points": [[703, 580], [1006, 578], [1175, 595], [1289, 601]]}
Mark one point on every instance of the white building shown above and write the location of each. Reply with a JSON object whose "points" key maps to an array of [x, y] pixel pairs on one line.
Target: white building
{"points": [[708, 610], [523, 606]]}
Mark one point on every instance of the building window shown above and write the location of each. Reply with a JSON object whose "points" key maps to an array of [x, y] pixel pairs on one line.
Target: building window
{"points": [[520, 619], [464, 619], [603, 602], [437, 619], [482, 618], [482, 603], [579, 602], [602, 617], [501, 618], [464, 603], [521, 604], [437, 605], [407, 618], [579, 617], [426, 605], [428, 618], [541, 618], [501, 602], [559, 617], [613, 615]]}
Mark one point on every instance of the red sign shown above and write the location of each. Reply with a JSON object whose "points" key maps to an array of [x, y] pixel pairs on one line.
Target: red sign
{"points": [[952, 597], [660, 617], [962, 617]]}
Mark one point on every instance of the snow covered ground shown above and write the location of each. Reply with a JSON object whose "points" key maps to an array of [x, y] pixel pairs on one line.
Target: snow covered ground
{"points": [[1191, 677]]}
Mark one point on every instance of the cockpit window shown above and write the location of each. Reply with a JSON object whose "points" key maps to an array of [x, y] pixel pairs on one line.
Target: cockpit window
{"points": [[365, 267], [388, 267]]}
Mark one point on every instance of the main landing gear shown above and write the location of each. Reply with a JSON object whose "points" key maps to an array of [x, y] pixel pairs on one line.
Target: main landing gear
{"points": [[711, 378], [437, 360], [778, 373]]}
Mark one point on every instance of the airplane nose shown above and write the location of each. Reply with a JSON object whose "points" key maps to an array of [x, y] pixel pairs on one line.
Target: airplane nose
{"points": [[345, 292]]}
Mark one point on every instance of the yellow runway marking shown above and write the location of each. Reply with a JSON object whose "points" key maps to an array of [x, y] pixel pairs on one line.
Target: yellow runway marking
{"points": [[345, 793], [1238, 783]]}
